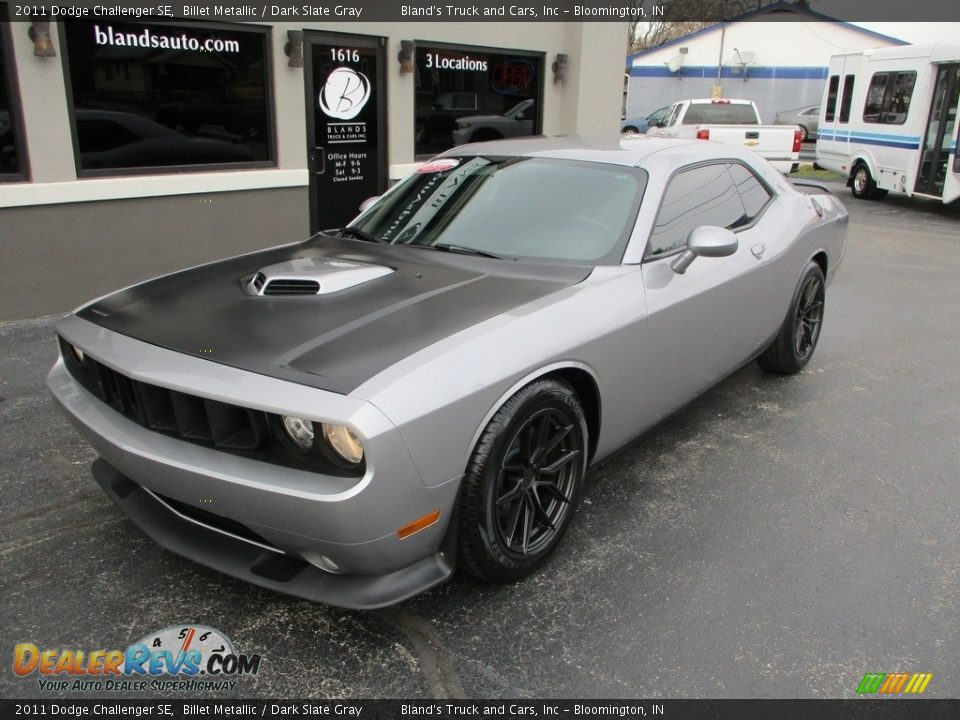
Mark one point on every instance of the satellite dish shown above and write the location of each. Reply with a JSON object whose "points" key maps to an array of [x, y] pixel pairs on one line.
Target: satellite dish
{"points": [[675, 63], [744, 57]]}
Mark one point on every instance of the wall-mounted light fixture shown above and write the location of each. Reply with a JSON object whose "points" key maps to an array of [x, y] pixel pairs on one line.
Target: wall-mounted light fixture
{"points": [[559, 67], [405, 55], [39, 34], [293, 49]]}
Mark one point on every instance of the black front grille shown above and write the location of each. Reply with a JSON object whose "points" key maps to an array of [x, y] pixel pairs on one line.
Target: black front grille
{"points": [[199, 420], [229, 428], [292, 287]]}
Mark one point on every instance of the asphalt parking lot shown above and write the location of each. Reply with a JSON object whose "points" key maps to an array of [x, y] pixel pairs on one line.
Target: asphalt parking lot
{"points": [[778, 538]]}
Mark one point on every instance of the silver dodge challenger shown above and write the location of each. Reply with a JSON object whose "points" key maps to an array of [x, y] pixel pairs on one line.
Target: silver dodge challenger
{"points": [[349, 418]]}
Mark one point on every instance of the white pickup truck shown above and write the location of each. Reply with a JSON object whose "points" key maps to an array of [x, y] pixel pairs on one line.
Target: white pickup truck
{"points": [[732, 122]]}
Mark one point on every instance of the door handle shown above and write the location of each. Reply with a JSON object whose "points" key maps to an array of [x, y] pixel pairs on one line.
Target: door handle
{"points": [[758, 250], [315, 157]]}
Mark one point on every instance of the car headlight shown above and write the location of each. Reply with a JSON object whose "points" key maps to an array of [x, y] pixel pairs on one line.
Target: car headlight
{"points": [[463, 125], [299, 431], [344, 443]]}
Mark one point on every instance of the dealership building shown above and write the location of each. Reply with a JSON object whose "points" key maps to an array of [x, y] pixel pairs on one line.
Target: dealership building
{"points": [[130, 148], [776, 56]]}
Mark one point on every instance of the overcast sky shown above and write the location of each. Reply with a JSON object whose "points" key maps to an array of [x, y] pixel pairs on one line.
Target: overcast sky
{"points": [[918, 33]]}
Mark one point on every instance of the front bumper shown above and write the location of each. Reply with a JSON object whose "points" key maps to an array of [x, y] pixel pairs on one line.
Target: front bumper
{"points": [[262, 567], [291, 514]]}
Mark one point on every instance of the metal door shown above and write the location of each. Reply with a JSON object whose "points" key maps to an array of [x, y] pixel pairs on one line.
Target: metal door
{"points": [[935, 151]]}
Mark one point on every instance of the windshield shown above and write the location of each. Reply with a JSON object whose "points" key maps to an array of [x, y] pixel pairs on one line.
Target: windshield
{"points": [[512, 208]]}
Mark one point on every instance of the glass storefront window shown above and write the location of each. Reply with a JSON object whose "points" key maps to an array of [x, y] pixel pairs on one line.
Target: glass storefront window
{"points": [[13, 165], [466, 94], [152, 96]]}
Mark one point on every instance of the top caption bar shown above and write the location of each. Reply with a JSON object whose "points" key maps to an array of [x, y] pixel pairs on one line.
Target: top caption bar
{"points": [[486, 11]]}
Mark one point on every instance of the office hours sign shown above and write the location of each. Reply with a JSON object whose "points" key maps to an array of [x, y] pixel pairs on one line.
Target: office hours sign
{"points": [[349, 126]]}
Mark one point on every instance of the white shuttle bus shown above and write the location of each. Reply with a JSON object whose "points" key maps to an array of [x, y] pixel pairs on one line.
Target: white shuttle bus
{"points": [[889, 121]]}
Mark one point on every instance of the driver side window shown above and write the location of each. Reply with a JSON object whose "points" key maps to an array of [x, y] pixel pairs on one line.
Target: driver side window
{"points": [[704, 195]]}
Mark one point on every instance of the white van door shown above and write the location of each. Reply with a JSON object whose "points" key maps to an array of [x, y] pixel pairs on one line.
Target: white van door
{"points": [[939, 149]]}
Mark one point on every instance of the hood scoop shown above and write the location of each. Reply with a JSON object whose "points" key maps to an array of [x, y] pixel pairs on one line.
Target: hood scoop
{"points": [[312, 276]]}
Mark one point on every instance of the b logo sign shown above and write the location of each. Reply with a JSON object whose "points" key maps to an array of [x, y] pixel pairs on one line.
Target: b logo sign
{"points": [[344, 93]]}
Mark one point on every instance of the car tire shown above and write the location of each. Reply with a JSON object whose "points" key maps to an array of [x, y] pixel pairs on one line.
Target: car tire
{"points": [[803, 133], [862, 184], [797, 338], [524, 482], [630, 130]]}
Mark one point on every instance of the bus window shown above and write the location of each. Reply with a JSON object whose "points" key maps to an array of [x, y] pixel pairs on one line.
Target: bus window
{"points": [[888, 98], [832, 98], [846, 98], [896, 102], [874, 102]]}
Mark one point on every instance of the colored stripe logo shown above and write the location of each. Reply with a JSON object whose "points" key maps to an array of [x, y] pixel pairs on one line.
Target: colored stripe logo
{"points": [[894, 683]]}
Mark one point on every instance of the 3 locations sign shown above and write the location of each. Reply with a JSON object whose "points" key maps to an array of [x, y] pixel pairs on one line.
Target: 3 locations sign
{"points": [[472, 94]]}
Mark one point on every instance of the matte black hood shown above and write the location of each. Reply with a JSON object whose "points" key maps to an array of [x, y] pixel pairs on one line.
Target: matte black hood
{"points": [[334, 342]]}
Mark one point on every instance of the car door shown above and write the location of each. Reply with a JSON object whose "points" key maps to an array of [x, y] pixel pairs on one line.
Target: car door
{"points": [[811, 120], [705, 323], [656, 116]]}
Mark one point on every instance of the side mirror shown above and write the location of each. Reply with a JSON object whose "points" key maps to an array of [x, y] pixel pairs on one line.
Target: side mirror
{"points": [[708, 241], [365, 205], [661, 123], [519, 116]]}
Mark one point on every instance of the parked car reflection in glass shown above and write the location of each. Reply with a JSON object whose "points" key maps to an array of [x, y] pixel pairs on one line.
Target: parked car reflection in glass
{"points": [[515, 122], [109, 139]]}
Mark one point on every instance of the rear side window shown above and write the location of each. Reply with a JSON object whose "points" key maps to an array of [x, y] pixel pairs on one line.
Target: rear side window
{"points": [[720, 114], [705, 195], [832, 98], [753, 194], [888, 98], [846, 98]]}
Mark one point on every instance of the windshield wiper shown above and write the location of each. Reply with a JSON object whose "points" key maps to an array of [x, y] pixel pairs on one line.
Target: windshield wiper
{"points": [[361, 234], [446, 247]]}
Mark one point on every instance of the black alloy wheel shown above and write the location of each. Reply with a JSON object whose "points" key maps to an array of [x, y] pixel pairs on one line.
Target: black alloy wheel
{"points": [[535, 481], [797, 338], [809, 317], [523, 483]]}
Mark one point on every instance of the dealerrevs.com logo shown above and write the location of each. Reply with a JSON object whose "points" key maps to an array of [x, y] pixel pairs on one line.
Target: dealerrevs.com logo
{"points": [[177, 658]]}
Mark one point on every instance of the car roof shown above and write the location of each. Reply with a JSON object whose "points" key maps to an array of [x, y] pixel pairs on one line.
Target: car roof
{"points": [[633, 151]]}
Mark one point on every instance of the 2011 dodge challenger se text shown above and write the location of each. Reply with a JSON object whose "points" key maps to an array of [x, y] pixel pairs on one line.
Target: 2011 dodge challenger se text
{"points": [[349, 418]]}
